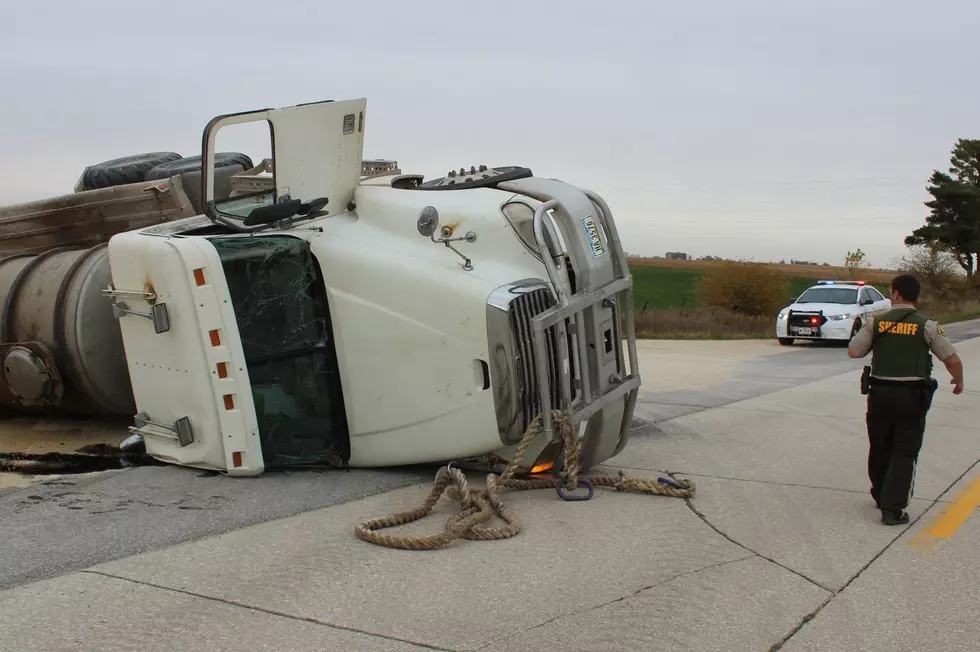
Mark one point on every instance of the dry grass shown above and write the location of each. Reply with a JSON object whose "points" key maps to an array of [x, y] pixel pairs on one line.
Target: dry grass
{"points": [[680, 283], [798, 271], [949, 311], [720, 324], [701, 323], [744, 288]]}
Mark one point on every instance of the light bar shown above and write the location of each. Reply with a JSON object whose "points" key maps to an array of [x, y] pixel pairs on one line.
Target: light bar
{"points": [[842, 282]]}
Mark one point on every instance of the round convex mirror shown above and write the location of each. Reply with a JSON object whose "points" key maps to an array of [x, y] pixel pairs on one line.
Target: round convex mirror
{"points": [[428, 221]]}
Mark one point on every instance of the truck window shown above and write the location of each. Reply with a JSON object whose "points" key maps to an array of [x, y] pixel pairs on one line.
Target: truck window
{"points": [[239, 194], [281, 308]]}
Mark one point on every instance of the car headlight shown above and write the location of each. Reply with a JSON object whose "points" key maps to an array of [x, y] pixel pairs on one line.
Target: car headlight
{"points": [[782, 314], [839, 317]]}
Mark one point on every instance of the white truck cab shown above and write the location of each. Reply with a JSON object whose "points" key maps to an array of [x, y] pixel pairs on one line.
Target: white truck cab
{"points": [[326, 318], [829, 310]]}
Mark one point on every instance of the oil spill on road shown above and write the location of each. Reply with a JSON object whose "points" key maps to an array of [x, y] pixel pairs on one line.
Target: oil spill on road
{"points": [[87, 459], [39, 449]]}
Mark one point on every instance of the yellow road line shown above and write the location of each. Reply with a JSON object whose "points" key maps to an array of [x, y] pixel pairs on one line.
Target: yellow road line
{"points": [[951, 519]]}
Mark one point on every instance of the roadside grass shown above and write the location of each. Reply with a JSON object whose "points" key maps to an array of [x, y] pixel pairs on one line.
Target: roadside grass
{"points": [[700, 324], [667, 306], [950, 312], [959, 316], [809, 272], [661, 288]]}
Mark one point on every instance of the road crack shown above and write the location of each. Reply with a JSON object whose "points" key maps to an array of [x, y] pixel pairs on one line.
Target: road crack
{"points": [[806, 619], [270, 612], [622, 598], [718, 530]]}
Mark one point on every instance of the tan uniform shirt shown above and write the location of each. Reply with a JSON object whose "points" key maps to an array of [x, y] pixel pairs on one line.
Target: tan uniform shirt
{"points": [[935, 336]]}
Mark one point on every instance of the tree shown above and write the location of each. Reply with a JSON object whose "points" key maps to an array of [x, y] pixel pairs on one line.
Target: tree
{"points": [[934, 268], [853, 261], [953, 224]]}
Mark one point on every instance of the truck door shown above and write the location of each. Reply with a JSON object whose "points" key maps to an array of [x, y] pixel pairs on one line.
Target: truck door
{"points": [[317, 153]]}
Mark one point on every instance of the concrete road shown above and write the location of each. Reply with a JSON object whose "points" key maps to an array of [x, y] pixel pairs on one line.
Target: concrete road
{"points": [[781, 548]]}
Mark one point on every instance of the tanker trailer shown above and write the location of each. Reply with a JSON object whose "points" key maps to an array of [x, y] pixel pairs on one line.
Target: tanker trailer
{"points": [[60, 346]]}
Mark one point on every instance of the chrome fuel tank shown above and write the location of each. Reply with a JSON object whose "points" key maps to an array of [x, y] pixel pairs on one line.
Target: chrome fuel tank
{"points": [[60, 345]]}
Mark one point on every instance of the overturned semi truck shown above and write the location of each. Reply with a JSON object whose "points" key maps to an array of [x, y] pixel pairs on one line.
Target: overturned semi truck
{"points": [[318, 308]]}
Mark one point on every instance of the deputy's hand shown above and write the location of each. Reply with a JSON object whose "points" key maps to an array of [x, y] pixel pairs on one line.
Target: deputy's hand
{"points": [[957, 386]]}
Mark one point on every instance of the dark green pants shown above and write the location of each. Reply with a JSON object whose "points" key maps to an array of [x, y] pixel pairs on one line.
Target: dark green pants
{"points": [[896, 421]]}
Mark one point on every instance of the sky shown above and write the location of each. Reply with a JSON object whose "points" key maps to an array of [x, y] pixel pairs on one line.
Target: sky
{"points": [[752, 129]]}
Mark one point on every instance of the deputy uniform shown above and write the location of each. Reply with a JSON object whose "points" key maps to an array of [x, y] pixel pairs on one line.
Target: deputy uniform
{"points": [[900, 394]]}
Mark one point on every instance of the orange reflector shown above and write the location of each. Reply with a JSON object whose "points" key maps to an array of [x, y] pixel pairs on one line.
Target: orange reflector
{"points": [[236, 459], [541, 468], [222, 370], [215, 338], [229, 402], [199, 276]]}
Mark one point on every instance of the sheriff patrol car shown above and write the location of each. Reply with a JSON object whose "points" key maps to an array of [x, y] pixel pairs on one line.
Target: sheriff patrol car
{"points": [[830, 310]]}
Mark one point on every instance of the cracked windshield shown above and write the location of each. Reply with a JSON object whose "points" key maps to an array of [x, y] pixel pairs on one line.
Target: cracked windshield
{"points": [[284, 367]]}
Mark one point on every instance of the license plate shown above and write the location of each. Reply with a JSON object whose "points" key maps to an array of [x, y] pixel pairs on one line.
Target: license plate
{"points": [[804, 331]]}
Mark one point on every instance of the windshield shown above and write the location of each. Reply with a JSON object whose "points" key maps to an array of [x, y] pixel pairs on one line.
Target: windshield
{"points": [[281, 307], [829, 295]]}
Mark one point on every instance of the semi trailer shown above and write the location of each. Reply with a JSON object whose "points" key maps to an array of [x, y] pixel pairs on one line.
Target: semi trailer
{"points": [[318, 308]]}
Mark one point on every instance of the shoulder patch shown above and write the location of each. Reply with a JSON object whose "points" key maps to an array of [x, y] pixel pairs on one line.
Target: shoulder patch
{"points": [[940, 330]]}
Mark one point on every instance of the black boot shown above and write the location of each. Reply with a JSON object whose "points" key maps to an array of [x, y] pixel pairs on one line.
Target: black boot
{"points": [[889, 517]]}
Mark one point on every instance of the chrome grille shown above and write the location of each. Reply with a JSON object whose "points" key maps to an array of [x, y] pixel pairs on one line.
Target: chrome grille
{"points": [[520, 312]]}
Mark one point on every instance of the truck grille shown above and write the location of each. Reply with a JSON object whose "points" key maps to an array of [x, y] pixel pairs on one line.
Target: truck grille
{"points": [[520, 311]]}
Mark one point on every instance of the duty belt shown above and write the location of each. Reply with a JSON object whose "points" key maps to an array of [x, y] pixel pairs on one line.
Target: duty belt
{"points": [[881, 382]]}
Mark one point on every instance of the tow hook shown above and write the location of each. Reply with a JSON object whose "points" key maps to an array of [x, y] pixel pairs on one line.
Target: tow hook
{"points": [[581, 483]]}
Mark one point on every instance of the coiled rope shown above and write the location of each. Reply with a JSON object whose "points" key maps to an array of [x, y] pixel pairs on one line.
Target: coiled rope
{"points": [[480, 506]]}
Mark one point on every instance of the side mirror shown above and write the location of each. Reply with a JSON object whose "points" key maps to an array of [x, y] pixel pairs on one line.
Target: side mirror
{"points": [[428, 221], [792, 300]]}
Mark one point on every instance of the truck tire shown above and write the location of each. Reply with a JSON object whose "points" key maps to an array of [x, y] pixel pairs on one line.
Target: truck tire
{"points": [[193, 164], [125, 170]]}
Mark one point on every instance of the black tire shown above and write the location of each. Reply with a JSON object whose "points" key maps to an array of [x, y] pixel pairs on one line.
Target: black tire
{"points": [[193, 164], [125, 170], [854, 329], [786, 341]]}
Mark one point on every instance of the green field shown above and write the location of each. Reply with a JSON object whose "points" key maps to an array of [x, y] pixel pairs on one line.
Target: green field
{"points": [[661, 288]]}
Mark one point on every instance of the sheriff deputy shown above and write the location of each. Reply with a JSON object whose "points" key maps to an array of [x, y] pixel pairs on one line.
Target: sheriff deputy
{"points": [[900, 388]]}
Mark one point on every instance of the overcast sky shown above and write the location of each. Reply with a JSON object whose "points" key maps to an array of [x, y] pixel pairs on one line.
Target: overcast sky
{"points": [[743, 128]]}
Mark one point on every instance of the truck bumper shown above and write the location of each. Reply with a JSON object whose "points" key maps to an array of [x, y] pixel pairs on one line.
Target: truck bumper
{"points": [[564, 344]]}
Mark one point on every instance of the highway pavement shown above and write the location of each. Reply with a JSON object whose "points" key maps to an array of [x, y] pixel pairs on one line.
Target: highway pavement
{"points": [[780, 548]]}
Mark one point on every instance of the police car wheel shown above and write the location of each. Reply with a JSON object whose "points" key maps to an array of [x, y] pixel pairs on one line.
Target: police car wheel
{"points": [[786, 341], [854, 329]]}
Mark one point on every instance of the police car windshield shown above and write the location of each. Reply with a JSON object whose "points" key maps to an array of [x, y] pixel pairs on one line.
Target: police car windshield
{"points": [[829, 295]]}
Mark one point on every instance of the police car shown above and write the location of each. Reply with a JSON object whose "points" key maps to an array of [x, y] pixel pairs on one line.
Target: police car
{"points": [[830, 310]]}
